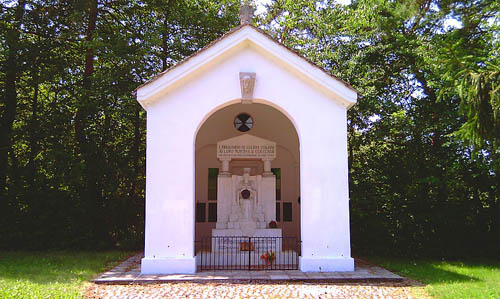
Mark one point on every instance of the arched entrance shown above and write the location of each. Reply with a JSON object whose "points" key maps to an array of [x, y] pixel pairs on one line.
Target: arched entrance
{"points": [[258, 120]]}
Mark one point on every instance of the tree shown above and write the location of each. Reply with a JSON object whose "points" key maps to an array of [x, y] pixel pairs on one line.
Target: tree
{"points": [[423, 138], [407, 168], [469, 62], [74, 136]]}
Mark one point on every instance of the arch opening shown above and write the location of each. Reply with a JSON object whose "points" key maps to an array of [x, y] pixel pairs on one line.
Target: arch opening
{"points": [[267, 122]]}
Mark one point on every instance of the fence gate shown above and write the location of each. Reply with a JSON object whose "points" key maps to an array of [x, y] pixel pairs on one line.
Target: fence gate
{"points": [[248, 253]]}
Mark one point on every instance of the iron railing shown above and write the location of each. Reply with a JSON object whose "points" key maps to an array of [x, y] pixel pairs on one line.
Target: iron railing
{"points": [[248, 253]]}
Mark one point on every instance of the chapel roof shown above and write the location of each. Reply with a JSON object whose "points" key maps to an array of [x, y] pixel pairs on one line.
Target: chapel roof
{"points": [[231, 32]]}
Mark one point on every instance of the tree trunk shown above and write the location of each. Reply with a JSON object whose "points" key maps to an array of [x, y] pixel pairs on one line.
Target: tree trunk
{"points": [[135, 150], [12, 40], [89, 50], [82, 111], [165, 37], [90, 194], [350, 142], [34, 133]]}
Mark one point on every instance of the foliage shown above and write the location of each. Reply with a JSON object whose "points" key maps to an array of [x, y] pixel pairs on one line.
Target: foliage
{"points": [[51, 274], [470, 64], [450, 279], [423, 138], [419, 185], [72, 142]]}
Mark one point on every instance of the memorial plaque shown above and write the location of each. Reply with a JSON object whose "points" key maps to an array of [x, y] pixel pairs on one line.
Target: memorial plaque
{"points": [[246, 147]]}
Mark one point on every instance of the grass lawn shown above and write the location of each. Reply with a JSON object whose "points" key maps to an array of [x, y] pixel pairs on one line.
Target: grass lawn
{"points": [[57, 274], [447, 279]]}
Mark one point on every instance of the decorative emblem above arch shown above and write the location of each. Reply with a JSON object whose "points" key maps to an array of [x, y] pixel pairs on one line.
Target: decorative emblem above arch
{"points": [[247, 83]]}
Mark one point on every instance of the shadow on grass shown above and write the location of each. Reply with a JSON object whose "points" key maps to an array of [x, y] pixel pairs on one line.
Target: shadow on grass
{"points": [[427, 271]]}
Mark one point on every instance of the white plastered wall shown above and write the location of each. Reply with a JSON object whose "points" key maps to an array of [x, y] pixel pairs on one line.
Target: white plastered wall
{"points": [[172, 123]]}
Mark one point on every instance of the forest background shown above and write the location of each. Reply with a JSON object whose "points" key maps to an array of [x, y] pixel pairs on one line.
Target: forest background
{"points": [[423, 139]]}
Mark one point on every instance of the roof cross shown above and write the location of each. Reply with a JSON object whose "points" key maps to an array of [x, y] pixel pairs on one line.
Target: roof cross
{"points": [[246, 13]]}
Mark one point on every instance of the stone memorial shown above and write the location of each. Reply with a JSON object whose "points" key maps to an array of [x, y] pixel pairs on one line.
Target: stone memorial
{"points": [[246, 204]]}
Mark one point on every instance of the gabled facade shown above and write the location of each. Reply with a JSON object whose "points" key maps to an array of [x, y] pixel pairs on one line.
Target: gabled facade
{"points": [[293, 103]]}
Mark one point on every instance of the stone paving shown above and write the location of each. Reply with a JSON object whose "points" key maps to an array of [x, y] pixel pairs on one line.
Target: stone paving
{"points": [[252, 289], [368, 281], [129, 272]]}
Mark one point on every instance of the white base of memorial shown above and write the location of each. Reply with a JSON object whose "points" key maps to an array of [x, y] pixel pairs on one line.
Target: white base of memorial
{"points": [[262, 240], [234, 232], [286, 258], [326, 264], [170, 265], [231, 247]]}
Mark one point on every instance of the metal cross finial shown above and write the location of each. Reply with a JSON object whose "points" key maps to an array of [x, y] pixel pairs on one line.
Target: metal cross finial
{"points": [[246, 13]]}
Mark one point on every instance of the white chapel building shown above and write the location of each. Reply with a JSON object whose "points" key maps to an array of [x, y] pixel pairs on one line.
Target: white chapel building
{"points": [[246, 139]]}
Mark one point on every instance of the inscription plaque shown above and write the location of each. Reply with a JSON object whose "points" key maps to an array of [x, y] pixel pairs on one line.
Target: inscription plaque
{"points": [[246, 147]]}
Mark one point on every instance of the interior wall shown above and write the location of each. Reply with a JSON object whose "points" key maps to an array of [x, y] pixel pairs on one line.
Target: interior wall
{"points": [[270, 124]]}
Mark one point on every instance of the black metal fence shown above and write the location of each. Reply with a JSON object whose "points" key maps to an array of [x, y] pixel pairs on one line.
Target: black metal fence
{"points": [[248, 253]]}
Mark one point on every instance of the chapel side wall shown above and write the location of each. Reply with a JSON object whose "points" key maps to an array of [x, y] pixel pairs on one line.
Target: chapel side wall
{"points": [[169, 196], [325, 199]]}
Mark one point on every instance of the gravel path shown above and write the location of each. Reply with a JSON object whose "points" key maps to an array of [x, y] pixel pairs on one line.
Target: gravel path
{"points": [[248, 289]]}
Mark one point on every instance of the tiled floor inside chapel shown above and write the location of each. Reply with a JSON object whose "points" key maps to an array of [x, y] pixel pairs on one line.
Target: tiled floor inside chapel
{"points": [[129, 271]]}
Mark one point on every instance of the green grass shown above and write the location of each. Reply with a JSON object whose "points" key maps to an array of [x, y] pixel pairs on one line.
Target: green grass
{"points": [[63, 274], [450, 279], [57, 274]]}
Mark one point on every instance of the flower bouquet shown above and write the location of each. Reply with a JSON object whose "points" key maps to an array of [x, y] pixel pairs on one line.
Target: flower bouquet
{"points": [[268, 257]]}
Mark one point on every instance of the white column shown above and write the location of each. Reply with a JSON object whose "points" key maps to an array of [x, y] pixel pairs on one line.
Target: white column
{"points": [[169, 245], [268, 197], [324, 204], [224, 196], [225, 167], [267, 167]]}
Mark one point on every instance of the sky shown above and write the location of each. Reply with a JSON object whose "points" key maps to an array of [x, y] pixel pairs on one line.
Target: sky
{"points": [[260, 7]]}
